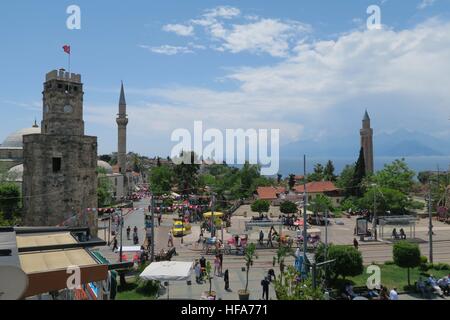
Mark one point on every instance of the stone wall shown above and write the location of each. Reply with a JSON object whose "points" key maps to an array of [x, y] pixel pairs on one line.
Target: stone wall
{"points": [[50, 196]]}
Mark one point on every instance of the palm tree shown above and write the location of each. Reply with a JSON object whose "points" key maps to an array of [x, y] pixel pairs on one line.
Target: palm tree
{"points": [[250, 256]]}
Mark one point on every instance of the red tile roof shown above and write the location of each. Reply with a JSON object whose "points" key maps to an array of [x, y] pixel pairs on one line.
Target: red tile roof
{"points": [[269, 193], [317, 187]]}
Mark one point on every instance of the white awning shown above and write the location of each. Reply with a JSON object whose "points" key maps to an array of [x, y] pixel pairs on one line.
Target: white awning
{"points": [[167, 271], [130, 248]]}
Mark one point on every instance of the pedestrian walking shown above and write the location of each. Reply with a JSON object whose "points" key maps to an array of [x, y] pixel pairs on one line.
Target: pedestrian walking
{"points": [[355, 243], [128, 232], [226, 279], [198, 272], [115, 246], [265, 286], [159, 219], [216, 266], [135, 238], [221, 263], [261, 237], [170, 240], [269, 239]]}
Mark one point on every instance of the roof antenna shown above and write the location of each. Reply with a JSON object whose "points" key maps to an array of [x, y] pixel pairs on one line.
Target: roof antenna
{"points": [[35, 124]]}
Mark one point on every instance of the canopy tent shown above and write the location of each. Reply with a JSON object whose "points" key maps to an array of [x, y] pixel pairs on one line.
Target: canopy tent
{"points": [[167, 271], [130, 248], [215, 214]]}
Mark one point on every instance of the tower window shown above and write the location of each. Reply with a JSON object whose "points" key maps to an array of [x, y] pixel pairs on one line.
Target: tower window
{"points": [[56, 165]]}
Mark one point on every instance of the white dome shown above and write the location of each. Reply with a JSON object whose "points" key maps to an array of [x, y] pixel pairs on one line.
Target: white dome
{"points": [[16, 173], [105, 165], [15, 140]]}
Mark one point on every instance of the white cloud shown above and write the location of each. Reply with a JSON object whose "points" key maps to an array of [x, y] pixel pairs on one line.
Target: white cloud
{"points": [[252, 34], [425, 3], [167, 49], [179, 29], [265, 36], [323, 88], [225, 12]]}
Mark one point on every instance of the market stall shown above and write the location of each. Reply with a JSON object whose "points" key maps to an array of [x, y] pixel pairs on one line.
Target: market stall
{"points": [[168, 271]]}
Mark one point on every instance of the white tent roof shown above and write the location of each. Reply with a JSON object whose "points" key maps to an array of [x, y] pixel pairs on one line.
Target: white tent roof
{"points": [[168, 271]]}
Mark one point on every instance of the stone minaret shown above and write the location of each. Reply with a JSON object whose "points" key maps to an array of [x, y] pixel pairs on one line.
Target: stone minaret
{"points": [[367, 142], [59, 176], [122, 122]]}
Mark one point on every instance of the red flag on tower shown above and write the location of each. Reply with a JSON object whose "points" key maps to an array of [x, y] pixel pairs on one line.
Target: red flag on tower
{"points": [[66, 49]]}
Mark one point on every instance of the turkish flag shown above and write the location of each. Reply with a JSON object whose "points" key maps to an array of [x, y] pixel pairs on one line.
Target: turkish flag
{"points": [[66, 49]]}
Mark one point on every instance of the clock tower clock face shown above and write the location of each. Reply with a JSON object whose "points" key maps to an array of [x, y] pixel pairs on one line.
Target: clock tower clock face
{"points": [[68, 109]]}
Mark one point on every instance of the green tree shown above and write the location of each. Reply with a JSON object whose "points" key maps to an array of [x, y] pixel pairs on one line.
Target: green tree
{"points": [[348, 261], [397, 176], [345, 180], [357, 188], [424, 177], [282, 253], [250, 256], [279, 177], [406, 255], [318, 174], [186, 173], [248, 174], [9, 199], [291, 182], [161, 179], [386, 199], [320, 203], [289, 288], [105, 157], [104, 188], [288, 207], [328, 172], [260, 206]]}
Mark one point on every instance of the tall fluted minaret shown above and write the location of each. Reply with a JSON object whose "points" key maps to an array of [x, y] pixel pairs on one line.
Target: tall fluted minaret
{"points": [[367, 143], [122, 121]]}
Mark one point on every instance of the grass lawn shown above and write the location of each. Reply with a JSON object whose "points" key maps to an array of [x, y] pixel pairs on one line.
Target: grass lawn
{"points": [[394, 276], [137, 291]]}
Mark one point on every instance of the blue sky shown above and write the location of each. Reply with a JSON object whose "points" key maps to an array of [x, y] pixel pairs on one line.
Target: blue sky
{"points": [[309, 68]]}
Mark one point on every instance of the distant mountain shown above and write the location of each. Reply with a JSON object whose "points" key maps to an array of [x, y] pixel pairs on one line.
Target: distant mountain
{"points": [[396, 144]]}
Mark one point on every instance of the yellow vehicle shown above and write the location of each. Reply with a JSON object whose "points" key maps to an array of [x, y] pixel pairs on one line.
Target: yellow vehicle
{"points": [[180, 228]]}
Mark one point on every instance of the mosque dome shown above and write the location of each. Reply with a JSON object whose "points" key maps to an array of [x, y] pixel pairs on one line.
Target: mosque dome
{"points": [[16, 173], [15, 140], [105, 165]]}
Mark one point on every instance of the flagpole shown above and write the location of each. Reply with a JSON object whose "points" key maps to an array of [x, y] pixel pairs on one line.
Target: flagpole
{"points": [[70, 53]]}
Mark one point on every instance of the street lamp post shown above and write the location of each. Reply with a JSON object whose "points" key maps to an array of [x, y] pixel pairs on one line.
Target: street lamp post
{"points": [[121, 232], [430, 225], [152, 217], [305, 204], [375, 215]]}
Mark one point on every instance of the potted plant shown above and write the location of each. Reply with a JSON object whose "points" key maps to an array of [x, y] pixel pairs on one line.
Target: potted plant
{"points": [[250, 256], [210, 294]]}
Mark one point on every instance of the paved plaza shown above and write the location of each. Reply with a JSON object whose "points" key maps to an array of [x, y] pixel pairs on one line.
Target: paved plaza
{"points": [[339, 232]]}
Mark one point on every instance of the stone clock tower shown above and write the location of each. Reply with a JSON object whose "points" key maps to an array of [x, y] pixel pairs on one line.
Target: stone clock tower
{"points": [[59, 178]]}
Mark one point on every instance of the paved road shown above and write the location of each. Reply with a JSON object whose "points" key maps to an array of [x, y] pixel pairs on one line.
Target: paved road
{"points": [[341, 234]]}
